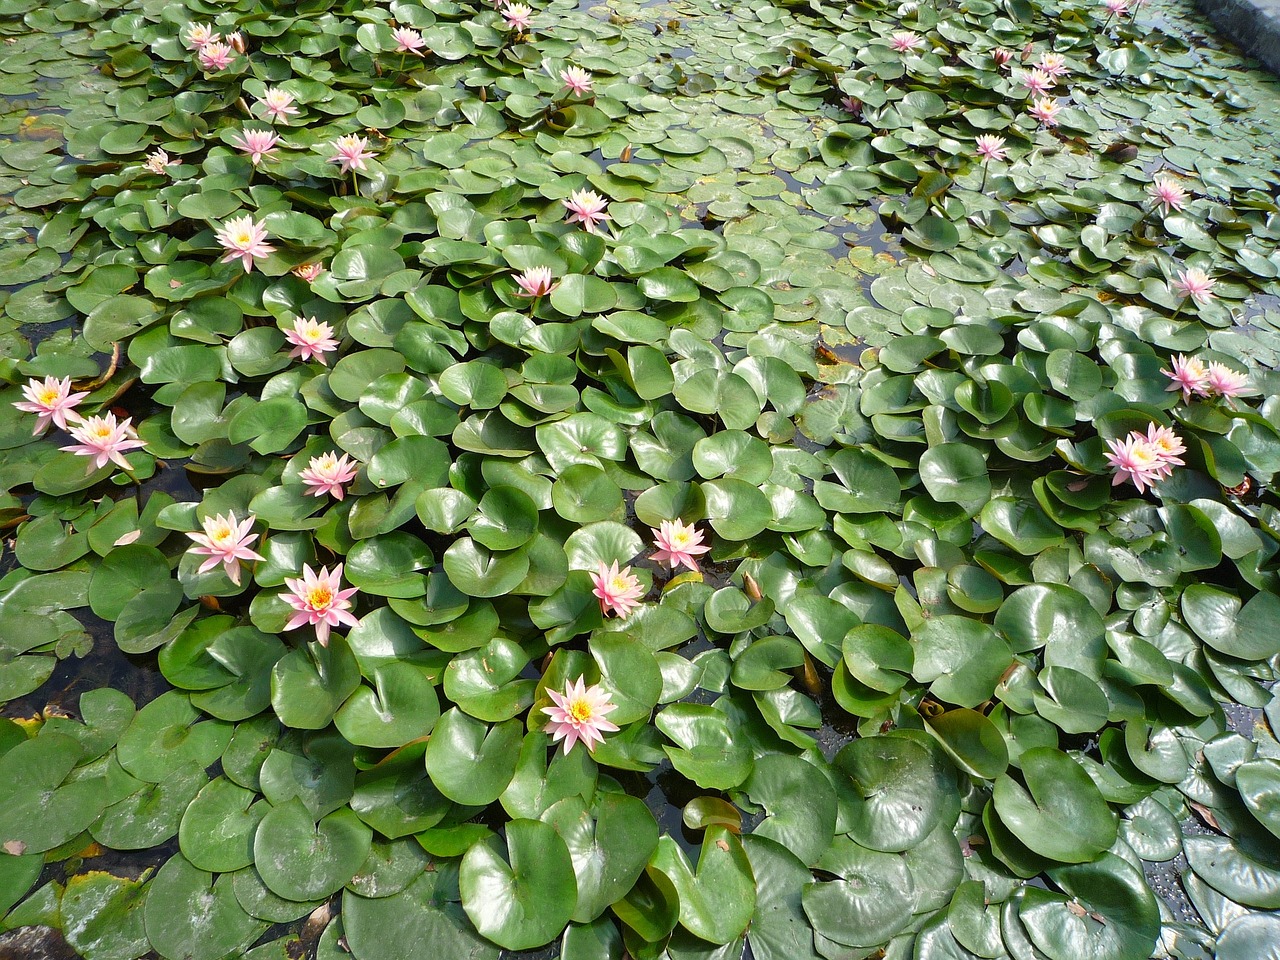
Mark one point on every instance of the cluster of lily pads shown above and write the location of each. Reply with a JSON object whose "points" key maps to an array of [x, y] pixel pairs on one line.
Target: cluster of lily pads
{"points": [[451, 317]]}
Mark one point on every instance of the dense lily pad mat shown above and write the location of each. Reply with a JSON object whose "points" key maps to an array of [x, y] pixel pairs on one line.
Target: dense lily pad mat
{"points": [[939, 688]]}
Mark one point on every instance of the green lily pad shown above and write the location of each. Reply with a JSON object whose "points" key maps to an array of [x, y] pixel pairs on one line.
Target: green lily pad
{"points": [[716, 902], [189, 916], [335, 849], [1059, 814]]}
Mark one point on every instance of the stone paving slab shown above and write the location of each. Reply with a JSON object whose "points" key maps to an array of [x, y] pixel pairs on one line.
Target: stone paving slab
{"points": [[1253, 24]]}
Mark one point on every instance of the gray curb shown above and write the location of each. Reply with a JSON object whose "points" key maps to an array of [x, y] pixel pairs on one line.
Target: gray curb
{"points": [[1253, 24]]}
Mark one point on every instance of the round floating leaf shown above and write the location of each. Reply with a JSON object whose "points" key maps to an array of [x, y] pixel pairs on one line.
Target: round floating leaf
{"points": [[800, 801], [150, 815], [584, 493], [308, 685], [905, 796], [1259, 784], [961, 659], [707, 751], [606, 542], [972, 741], [955, 473], [478, 572], [1247, 632], [1113, 914], [474, 384], [485, 682], [718, 901], [123, 574], [37, 811], [167, 734], [470, 762], [609, 845], [1254, 936], [521, 897], [736, 510], [190, 917], [422, 922], [103, 916], [218, 827], [300, 859], [1059, 814], [401, 706], [1242, 876], [505, 519], [864, 906]]}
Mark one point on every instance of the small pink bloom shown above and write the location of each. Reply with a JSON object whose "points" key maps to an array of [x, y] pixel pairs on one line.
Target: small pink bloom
{"points": [[619, 591], [990, 147], [215, 55], [1168, 447], [678, 543], [244, 240], [535, 282], [586, 207], [851, 105], [308, 271], [579, 714], [1115, 6], [1046, 110], [1188, 375], [236, 41], [519, 16], [52, 401], [278, 103], [1225, 382], [1196, 284], [104, 439], [905, 41], [328, 473], [158, 162], [319, 601], [408, 41], [1037, 82], [126, 538], [311, 339], [577, 80], [1001, 56], [225, 542], [1167, 193], [256, 143], [198, 35], [1136, 460], [1054, 64], [351, 153]]}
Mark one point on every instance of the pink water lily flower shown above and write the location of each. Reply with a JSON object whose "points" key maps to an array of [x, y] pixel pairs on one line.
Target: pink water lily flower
{"points": [[1225, 382], [1168, 447], [225, 542], [104, 439], [586, 207], [350, 152], [311, 338], [535, 282], [904, 41], [1167, 193], [990, 147], [1189, 375], [1115, 7], [308, 271], [1136, 460], [278, 103], [577, 80], [256, 143], [579, 714], [216, 55], [408, 41], [329, 473], [851, 105], [1194, 283], [1046, 110], [198, 35], [519, 16], [619, 591], [157, 162], [678, 543], [319, 601], [1037, 82], [1054, 64], [244, 240], [1001, 56], [52, 401]]}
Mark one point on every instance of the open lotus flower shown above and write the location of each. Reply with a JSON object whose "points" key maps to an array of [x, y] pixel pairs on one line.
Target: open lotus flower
{"points": [[311, 338], [278, 103], [328, 473], [319, 600], [225, 542], [350, 153], [579, 714], [244, 240], [619, 591], [52, 401], [104, 439], [1189, 375], [678, 543], [586, 207]]}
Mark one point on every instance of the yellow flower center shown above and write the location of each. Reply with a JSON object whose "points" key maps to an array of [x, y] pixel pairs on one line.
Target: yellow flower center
{"points": [[47, 396], [319, 597], [101, 431], [1144, 455], [579, 711], [619, 585], [681, 539], [220, 534]]}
